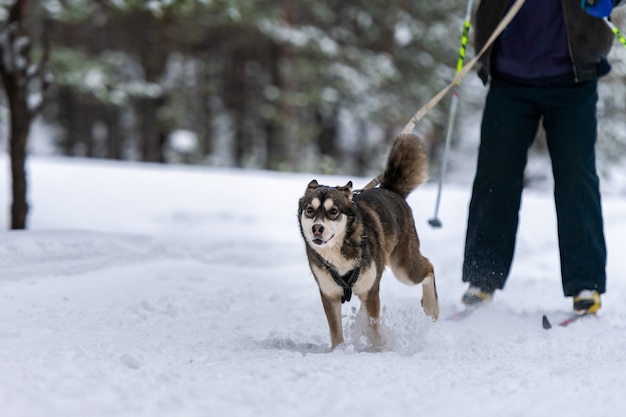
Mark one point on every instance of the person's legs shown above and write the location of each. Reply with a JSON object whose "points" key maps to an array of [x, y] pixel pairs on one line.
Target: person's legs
{"points": [[509, 125], [570, 124]]}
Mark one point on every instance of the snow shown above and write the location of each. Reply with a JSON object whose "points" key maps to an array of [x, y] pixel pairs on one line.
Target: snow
{"points": [[183, 141], [149, 290]]}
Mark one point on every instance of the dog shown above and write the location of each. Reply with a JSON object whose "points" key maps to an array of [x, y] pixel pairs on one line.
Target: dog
{"points": [[351, 236]]}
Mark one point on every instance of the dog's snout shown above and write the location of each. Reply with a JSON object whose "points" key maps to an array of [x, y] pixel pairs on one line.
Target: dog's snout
{"points": [[318, 229]]}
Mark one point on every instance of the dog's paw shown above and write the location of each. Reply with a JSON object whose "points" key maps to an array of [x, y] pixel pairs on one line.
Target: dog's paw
{"points": [[431, 309], [435, 315]]}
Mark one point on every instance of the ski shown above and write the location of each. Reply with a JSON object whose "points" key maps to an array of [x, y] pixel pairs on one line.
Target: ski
{"points": [[459, 315], [546, 324], [571, 318]]}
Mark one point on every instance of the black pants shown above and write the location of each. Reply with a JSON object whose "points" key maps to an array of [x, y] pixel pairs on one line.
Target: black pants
{"points": [[510, 121]]}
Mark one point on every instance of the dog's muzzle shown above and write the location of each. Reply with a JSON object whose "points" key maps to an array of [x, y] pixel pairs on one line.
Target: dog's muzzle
{"points": [[318, 231]]}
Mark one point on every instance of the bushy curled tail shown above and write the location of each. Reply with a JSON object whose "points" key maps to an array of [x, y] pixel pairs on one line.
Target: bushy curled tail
{"points": [[407, 165]]}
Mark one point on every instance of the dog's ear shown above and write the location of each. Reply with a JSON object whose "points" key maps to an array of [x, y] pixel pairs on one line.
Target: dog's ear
{"points": [[312, 185], [347, 190]]}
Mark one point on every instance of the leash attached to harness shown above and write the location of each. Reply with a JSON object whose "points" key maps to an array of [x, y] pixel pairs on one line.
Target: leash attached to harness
{"points": [[457, 79]]}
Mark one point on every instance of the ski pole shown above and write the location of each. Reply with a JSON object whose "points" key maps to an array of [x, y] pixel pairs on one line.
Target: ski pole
{"points": [[616, 31], [435, 221], [408, 128]]}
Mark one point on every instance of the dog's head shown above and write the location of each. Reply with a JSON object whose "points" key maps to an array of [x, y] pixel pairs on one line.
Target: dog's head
{"points": [[324, 213]]}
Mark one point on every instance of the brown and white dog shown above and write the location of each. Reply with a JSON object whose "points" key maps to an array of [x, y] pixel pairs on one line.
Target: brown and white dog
{"points": [[351, 236]]}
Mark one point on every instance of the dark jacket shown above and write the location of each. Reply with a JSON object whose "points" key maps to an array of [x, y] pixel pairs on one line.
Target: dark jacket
{"points": [[589, 39]]}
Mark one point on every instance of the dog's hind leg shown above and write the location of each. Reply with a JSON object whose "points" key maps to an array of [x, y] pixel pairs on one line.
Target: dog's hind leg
{"points": [[425, 272], [332, 309], [430, 303], [417, 269]]}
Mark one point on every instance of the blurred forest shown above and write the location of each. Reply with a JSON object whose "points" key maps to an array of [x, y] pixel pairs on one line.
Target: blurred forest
{"points": [[273, 84]]}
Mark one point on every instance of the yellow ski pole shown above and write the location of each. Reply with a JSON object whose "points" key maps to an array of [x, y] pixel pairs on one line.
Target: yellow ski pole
{"points": [[616, 31], [435, 221]]}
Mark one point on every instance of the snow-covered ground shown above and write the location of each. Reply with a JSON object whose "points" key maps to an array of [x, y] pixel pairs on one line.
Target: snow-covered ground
{"points": [[145, 290]]}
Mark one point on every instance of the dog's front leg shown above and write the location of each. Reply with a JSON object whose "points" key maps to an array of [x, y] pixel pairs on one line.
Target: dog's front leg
{"points": [[371, 303], [332, 308]]}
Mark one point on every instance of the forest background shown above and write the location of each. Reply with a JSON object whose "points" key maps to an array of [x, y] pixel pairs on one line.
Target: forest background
{"points": [[266, 84]]}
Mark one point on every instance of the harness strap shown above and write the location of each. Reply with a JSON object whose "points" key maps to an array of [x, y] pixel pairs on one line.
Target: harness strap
{"points": [[347, 280]]}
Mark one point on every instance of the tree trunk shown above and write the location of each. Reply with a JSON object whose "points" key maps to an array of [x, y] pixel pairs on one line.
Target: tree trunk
{"points": [[18, 74], [114, 142], [328, 126], [238, 101], [19, 128], [275, 136], [153, 55], [150, 144]]}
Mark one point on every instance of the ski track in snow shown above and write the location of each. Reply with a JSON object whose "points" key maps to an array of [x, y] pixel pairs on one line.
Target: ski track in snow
{"points": [[205, 306]]}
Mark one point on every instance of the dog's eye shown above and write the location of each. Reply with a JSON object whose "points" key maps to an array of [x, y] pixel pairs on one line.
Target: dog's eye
{"points": [[333, 211], [310, 210]]}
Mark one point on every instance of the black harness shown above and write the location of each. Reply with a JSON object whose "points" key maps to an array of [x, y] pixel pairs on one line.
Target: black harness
{"points": [[347, 280]]}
